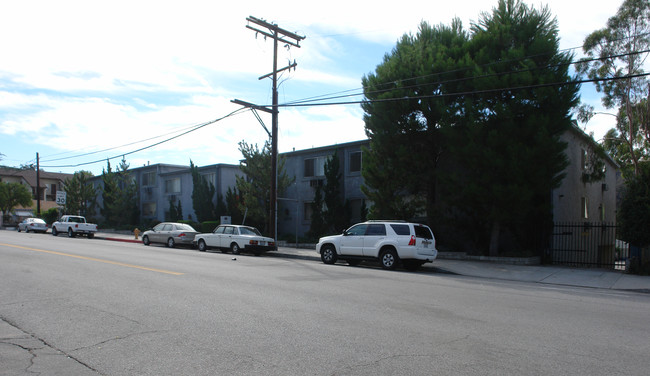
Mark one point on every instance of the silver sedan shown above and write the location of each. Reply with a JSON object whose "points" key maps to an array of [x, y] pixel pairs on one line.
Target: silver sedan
{"points": [[32, 224]]}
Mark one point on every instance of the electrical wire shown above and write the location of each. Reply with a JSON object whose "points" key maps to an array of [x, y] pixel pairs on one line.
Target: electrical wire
{"points": [[152, 145]]}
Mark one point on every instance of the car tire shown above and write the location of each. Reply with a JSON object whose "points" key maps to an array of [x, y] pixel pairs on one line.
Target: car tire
{"points": [[201, 245], [388, 259], [234, 248], [145, 240], [171, 243], [328, 254], [70, 233], [19, 229], [54, 231], [353, 262]]}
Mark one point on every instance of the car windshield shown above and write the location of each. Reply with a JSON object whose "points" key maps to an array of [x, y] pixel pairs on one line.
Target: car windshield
{"points": [[249, 231]]}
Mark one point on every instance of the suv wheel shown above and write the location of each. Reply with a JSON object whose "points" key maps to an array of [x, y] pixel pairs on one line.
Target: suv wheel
{"points": [[388, 259], [328, 254]]}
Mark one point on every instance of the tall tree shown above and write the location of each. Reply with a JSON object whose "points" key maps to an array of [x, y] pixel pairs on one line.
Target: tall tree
{"points": [[634, 213], [13, 195], [317, 227], [406, 106], [512, 153], [234, 205], [81, 196], [120, 196], [202, 195], [110, 195], [254, 186], [335, 216], [618, 53]]}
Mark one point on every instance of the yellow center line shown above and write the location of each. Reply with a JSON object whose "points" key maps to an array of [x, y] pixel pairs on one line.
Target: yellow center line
{"points": [[95, 259]]}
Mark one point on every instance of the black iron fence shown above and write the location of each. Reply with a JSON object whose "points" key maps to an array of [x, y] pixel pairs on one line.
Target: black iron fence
{"points": [[587, 244]]}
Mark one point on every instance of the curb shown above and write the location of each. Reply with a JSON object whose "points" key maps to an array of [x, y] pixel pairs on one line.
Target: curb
{"points": [[119, 239]]}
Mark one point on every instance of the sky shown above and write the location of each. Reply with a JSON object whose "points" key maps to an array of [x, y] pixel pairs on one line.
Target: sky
{"points": [[86, 81]]}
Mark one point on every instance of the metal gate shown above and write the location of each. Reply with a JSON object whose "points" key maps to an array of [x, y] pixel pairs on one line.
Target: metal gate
{"points": [[588, 244]]}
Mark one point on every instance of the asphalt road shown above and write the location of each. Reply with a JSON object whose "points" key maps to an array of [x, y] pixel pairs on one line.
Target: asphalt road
{"points": [[91, 307]]}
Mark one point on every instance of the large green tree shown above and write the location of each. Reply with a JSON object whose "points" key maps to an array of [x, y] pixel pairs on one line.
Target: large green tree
{"points": [[491, 105], [202, 195], [13, 195], [616, 55], [120, 196], [336, 214], [406, 106], [634, 212], [511, 153], [81, 196], [254, 187]]}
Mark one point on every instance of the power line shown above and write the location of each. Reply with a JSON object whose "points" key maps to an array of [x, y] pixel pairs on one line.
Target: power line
{"points": [[195, 128]]}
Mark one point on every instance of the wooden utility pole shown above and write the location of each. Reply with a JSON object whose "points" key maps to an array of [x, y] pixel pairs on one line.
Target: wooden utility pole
{"points": [[289, 39], [38, 186]]}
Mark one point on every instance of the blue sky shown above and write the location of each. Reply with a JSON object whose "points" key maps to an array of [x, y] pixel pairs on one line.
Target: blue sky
{"points": [[82, 81]]}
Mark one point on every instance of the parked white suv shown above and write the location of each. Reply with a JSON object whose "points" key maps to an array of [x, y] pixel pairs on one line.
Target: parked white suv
{"points": [[390, 242]]}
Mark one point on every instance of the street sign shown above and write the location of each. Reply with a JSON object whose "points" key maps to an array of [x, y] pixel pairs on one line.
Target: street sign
{"points": [[60, 197]]}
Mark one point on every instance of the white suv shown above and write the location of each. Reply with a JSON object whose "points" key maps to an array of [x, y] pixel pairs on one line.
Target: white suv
{"points": [[390, 242]]}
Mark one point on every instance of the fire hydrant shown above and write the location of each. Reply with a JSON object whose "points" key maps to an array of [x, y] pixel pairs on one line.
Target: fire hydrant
{"points": [[136, 232]]}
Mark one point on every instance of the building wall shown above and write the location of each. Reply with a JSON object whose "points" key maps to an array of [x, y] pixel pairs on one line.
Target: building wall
{"points": [[294, 212], [576, 201]]}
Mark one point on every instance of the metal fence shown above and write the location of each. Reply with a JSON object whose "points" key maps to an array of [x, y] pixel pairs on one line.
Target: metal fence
{"points": [[588, 244]]}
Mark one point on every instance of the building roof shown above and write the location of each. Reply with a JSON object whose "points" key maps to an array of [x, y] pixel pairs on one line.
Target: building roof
{"points": [[30, 175]]}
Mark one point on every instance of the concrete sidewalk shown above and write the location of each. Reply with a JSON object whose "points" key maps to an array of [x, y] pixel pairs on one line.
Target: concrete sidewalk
{"points": [[555, 275]]}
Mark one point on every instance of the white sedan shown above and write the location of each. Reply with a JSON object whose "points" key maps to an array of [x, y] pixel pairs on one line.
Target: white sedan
{"points": [[235, 238]]}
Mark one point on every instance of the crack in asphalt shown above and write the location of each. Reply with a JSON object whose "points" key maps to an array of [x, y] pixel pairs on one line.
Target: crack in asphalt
{"points": [[32, 350], [98, 344]]}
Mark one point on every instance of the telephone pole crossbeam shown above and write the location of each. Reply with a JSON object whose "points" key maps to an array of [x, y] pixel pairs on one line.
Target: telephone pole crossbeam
{"points": [[290, 39]]}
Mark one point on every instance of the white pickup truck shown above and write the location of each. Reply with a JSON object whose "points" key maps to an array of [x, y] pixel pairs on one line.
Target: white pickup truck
{"points": [[74, 225]]}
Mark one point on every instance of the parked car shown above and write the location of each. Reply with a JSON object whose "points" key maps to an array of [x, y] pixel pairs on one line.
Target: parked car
{"points": [[74, 225], [390, 242], [33, 224], [235, 238], [170, 233]]}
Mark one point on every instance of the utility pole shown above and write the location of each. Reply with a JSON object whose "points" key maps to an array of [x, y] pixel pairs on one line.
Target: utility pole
{"points": [[38, 186], [289, 39]]}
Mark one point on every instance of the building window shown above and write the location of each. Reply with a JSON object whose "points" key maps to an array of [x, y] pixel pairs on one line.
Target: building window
{"points": [[149, 209], [315, 167], [149, 179], [307, 211], [585, 208], [584, 159], [355, 161], [173, 185]]}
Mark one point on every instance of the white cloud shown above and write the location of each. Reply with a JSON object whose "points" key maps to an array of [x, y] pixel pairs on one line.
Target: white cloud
{"points": [[80, 75]]}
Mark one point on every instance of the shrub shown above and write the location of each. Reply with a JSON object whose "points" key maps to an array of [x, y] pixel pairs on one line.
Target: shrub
{"points": [[208, 226]]}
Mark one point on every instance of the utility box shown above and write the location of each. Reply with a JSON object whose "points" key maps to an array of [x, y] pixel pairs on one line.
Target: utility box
{"points": [[226, 220]]}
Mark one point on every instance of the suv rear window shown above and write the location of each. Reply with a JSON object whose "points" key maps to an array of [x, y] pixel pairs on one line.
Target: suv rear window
{"points": [[401, 229], [423, 232]]}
